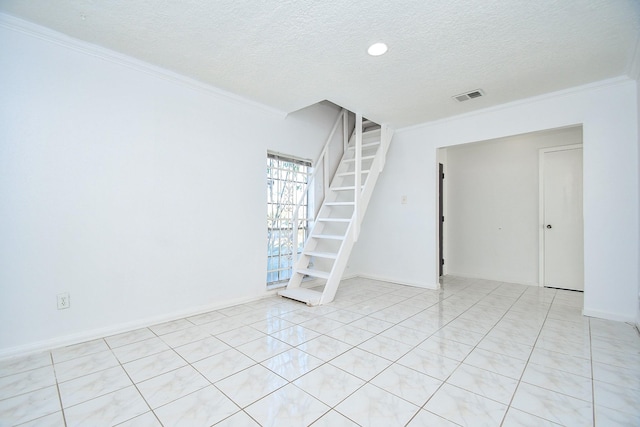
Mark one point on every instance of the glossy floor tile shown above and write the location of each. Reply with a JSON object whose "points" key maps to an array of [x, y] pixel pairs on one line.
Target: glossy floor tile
{"points": [[474, 353]]}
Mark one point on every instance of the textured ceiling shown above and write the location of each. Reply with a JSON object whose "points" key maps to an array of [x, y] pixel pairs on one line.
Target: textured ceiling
{"points": [[289, 54]]}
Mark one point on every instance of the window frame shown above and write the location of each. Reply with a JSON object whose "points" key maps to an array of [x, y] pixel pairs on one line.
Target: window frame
{"points": [[290, 176]]}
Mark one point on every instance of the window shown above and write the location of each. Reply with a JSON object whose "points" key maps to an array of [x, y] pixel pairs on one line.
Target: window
{"points": [[287, 180]]}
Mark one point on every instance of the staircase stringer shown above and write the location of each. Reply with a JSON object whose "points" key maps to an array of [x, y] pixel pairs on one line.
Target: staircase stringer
{"points": [[376, 168], [340, 264], [334, 276]]}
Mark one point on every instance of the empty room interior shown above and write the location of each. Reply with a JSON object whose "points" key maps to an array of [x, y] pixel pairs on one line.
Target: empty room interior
{"points": [[452, 213]]}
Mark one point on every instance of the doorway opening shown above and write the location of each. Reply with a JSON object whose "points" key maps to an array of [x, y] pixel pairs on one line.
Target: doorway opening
{"points": [[491, 199]]}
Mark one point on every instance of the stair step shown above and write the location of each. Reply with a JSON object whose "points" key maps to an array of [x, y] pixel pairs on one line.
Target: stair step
{"points": [[363, 158], [307, 296], [327, 236], [333, 219], [334, 247], [344, 188], [371, 133], [314, 273], [317, 254], [352, 173], [339, 203], [367, 145]]}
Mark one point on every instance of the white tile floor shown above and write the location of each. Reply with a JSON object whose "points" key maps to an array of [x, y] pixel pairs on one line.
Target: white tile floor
{"points": [[476, 353]]}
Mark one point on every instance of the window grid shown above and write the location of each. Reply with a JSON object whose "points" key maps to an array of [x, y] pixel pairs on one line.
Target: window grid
{"points": [[286, 183]]}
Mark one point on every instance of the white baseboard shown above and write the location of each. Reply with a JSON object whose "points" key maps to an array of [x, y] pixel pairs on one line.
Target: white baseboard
{"points": [[607, 315], [638, 314], [399, 282], [493, 279], [315, 282], [80, 337]]}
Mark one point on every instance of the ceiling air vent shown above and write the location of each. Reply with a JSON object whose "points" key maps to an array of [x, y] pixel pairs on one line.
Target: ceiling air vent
{"points": [[469, 95]]}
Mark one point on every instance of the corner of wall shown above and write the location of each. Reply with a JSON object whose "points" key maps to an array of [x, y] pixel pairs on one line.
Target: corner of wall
{"points": [[607, 315], [633, 69], [637, 65], [638, 314]]}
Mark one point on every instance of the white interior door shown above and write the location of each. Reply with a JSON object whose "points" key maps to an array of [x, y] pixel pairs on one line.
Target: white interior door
{"points": [[562, 225]]}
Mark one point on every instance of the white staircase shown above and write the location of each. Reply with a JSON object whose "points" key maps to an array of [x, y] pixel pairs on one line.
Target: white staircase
{"points": [[337, 224]]}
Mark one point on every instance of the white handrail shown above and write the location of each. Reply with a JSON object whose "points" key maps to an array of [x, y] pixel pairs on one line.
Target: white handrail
{"points": [[345, 132], [358, 178], [322, 157]]}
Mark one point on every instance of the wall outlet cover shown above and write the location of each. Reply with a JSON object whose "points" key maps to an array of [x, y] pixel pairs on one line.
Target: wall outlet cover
{"points": [[63, 301]]}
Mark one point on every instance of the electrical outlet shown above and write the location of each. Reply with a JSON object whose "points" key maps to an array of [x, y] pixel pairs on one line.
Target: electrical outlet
{"points": [[63, 301], [403, 200]]}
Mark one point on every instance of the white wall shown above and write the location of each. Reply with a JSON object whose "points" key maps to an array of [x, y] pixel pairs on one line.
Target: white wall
{"points": [[492, 226], [399, 242], [141, 194], [638, 111], [396, 238]]}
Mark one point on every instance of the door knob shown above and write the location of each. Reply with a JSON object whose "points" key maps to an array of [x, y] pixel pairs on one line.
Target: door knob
{"points": [[549, 226]]}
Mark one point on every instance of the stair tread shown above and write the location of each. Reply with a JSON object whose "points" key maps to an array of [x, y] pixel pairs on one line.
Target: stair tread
{"points": [[339, 203], [369, 144], [319, 254], [370, 132], [327, 236], [352, 172], [363, 158], [307, 296], [320, 245], [314, 273], [333, 219], [344, 187], [364, 145]]}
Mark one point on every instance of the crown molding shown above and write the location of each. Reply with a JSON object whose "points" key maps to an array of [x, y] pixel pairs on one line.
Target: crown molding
{"points": [[615, 81], [25, 27]]}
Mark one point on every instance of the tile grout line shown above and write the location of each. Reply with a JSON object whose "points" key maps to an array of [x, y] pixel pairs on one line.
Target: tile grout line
{"points": [[244, 317], [327, 362], [533, 347], [415, 347], [474, 347], [593, 382], [62, 411]]}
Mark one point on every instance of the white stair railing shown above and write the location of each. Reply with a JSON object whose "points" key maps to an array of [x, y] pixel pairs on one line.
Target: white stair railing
{"points": [[323, 158], [358, 178], [362, 198], [331, 214]]}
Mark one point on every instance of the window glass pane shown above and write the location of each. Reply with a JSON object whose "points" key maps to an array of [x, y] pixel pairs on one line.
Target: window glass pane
{"points": [[286, 186]]}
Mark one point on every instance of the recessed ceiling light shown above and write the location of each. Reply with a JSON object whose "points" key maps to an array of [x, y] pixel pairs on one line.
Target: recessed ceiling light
{"points": [[377, 49]]}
